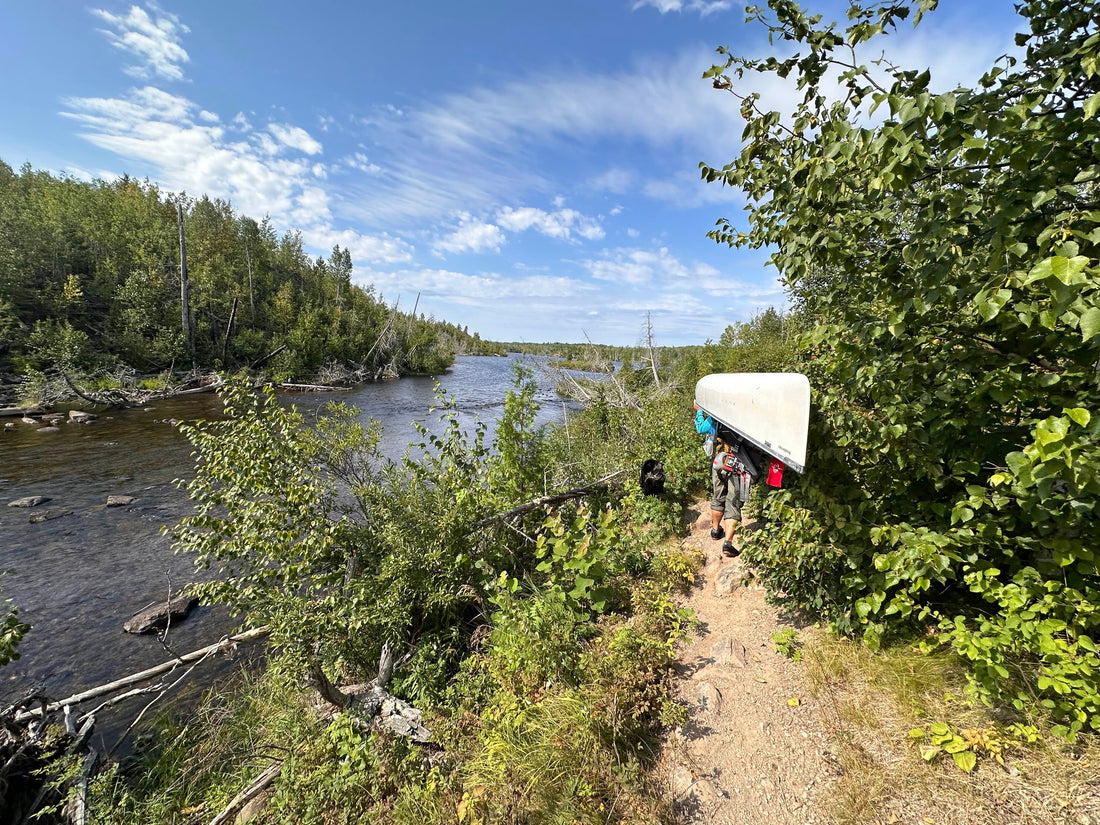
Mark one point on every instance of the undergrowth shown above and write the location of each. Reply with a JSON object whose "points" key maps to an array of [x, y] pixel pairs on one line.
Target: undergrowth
{"points": [[912, 742]]}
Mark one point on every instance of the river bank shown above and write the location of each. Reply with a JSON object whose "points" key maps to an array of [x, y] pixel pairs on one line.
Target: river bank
{"points": [[81, 568]]}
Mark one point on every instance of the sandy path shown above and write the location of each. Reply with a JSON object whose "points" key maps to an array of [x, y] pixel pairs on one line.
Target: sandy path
{"points": [[749, 754]]}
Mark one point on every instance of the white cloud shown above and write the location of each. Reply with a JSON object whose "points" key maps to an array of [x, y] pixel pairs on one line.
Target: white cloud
{"points": [[241, 121], [294, 137], [167, 134], [472, 235], [562, 224], [643, 266], [362, 163], [209, 117], [704, 7], [153, 39], [473, 290]]}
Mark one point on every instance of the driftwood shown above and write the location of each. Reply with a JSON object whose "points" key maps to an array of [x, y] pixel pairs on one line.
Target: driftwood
{"points": [[128, 681], [557, 498], [254, 789], [139, 398], [368, 703], [313, 388]]}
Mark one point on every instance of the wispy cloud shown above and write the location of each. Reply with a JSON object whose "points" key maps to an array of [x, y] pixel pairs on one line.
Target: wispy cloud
{"points": [[259, 174], [703, 7], [477, 149], [153, 37]]}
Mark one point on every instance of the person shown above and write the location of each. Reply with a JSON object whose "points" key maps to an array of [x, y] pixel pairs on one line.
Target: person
{"points": [[729, 489]]}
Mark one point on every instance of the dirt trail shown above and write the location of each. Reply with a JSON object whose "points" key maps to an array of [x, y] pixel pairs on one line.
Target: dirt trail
{"points": [[750, 753]]}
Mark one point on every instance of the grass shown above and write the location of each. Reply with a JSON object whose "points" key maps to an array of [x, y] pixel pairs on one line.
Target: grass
{"points": [[873, 700]]}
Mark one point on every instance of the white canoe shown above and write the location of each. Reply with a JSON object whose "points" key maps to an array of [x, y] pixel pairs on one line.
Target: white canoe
{"points": [[768, 409]]}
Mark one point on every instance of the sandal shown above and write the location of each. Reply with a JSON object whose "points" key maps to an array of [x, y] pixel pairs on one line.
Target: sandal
{"points": [[729, 551], [717, 532]]}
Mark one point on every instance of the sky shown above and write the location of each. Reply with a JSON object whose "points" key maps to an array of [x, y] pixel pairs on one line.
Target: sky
{"points": [[529, 169]]}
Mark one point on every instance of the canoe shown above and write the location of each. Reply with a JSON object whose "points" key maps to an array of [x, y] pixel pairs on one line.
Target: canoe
{"points": [[768, 409]]}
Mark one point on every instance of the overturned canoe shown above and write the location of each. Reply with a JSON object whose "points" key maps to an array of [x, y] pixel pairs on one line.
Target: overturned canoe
{"points": [[768, 409]]}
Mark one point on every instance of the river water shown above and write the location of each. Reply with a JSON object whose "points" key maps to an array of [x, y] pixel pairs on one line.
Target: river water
{"points": [[78, 577]]}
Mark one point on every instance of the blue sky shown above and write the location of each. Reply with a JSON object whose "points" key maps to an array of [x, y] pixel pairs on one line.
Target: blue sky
{"points": [[529, 168]]}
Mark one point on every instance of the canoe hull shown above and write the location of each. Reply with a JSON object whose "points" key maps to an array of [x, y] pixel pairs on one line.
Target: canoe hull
{"points": [[769, 409]]}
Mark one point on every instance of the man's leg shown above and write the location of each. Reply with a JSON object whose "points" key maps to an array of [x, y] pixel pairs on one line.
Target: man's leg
{"points": [[717, 504], [732, 516]]}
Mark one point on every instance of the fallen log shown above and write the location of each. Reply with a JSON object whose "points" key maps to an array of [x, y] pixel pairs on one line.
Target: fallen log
{"points": [[557, 498], [254, 789], [313, 387], [127, 681]]}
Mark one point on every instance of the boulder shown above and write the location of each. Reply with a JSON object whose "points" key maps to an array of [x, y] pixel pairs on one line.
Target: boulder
{"points": [[708, 697], [53, 418], [119, 501], [155, 617], [729, 580], [26, 419], [29, 501], [50, 429], [728, 651], [80, 417]]}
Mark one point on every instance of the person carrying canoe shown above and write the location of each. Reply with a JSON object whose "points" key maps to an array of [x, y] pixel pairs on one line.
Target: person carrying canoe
{"points": [[730, 475]]}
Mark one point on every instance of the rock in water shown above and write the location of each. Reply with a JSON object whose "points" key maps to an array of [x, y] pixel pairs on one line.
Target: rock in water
{"points": [[119, 501], [155, 618], [29, 501], [49, 515], [81, 417]]}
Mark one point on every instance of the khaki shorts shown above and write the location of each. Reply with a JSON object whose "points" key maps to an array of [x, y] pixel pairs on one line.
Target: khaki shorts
{"points": [[724, 496]]}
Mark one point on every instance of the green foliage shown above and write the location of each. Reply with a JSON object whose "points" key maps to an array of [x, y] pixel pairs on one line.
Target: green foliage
{"points": [[787, 643], [965, 745], [92, 270], [12, 632], [943, 246]]}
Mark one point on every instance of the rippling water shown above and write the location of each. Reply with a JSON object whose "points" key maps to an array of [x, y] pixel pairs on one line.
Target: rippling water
{"points": [[78, 577]]}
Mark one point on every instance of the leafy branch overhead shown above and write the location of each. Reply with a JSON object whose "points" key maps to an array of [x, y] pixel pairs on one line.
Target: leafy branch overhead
{"points": [[943, 245]]}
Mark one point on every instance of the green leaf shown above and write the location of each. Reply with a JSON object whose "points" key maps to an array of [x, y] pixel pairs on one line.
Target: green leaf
{"points": [[1079, 415], [1090, 323], [966, 760], [1092, 105], [939, 729], [929, 752]]}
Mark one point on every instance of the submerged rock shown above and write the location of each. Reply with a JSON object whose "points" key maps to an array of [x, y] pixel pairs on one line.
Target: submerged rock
{"points": [[29, 501], [49, 515], [119, 501], [156, 616]]}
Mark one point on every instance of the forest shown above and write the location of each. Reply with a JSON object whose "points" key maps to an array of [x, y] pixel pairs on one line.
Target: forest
{"points": [[90, 284]]}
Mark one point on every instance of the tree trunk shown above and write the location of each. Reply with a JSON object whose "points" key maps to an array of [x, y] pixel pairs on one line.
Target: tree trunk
{"points": [[185, 298]]}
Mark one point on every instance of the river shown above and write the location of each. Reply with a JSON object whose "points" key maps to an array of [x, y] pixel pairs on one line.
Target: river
{"points": [[78, 577]]}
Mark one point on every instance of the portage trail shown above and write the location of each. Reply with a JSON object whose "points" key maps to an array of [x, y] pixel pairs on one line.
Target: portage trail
{"points": [[755, 749]]}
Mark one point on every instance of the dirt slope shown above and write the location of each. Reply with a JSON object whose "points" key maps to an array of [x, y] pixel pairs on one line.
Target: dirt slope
{"points": [[750, 753]]}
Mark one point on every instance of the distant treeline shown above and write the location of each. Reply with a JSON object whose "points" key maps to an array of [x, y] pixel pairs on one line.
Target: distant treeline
{"points": [[90, 280]]}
